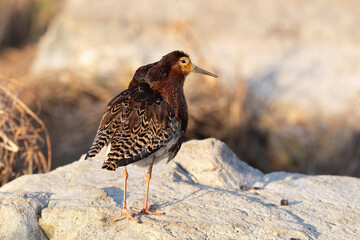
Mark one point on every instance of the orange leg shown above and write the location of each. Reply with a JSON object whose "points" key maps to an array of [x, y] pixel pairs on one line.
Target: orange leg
{"points": [[147, 207], [125, 212]]}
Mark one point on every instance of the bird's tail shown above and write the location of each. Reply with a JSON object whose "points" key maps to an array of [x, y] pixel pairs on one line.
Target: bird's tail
{"points": [[100, 140], [109, 165]]}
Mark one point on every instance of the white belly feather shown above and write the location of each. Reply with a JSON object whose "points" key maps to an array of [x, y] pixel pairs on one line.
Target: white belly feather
{"points": [[159, 155]]}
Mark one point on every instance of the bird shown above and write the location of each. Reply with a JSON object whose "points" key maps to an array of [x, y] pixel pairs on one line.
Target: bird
{"points": [[147, 122]]}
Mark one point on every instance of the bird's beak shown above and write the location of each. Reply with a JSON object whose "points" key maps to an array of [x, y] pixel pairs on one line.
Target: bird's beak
{"points": [[197, 69]]}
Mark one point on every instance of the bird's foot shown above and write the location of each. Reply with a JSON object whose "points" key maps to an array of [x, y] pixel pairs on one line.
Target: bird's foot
{"points": [[125, 213], [146, 210]]}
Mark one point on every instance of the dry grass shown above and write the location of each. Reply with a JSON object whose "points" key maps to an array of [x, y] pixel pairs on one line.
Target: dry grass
{"points": [[23, 139]]}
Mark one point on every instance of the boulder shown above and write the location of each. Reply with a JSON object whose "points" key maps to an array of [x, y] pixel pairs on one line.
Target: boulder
{"points": [[78, 201]]}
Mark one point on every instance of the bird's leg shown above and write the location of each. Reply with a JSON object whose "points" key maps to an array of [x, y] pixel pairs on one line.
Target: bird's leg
{"points": [[147, 207], [125, 212]]}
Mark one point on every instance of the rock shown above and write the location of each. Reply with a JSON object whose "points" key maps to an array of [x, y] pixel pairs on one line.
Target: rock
{"points": [[217, 166], [79, 200], [19, 215]]}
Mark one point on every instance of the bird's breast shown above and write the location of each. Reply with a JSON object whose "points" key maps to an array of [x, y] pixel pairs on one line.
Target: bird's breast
{"points": [[177, 100]]}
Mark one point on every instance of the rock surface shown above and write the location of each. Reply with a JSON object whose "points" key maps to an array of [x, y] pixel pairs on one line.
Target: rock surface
{"points": [[79, 200]]}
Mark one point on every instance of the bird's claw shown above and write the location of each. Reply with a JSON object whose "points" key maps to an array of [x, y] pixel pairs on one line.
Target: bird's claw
{"points": [[146, 210], [125, 213]]}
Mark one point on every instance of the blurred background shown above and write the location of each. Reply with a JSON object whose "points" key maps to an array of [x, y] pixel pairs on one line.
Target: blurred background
{"points": [[287, 97]]}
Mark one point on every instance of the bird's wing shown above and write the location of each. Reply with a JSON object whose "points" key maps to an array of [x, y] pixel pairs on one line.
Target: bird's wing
{"points": [[137, 123], [112, 119]]}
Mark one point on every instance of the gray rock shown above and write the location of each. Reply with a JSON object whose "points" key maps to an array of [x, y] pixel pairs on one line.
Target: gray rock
{"points": [[79, 200], [19, 215], [216, 165]]}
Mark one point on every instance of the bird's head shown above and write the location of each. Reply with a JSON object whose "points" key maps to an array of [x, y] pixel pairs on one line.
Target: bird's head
{"points": [[181, 64], [171, 70]]}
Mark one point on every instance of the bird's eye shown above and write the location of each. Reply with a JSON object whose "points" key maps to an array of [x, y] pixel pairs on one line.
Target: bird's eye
{"points": [[183, 61]]}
